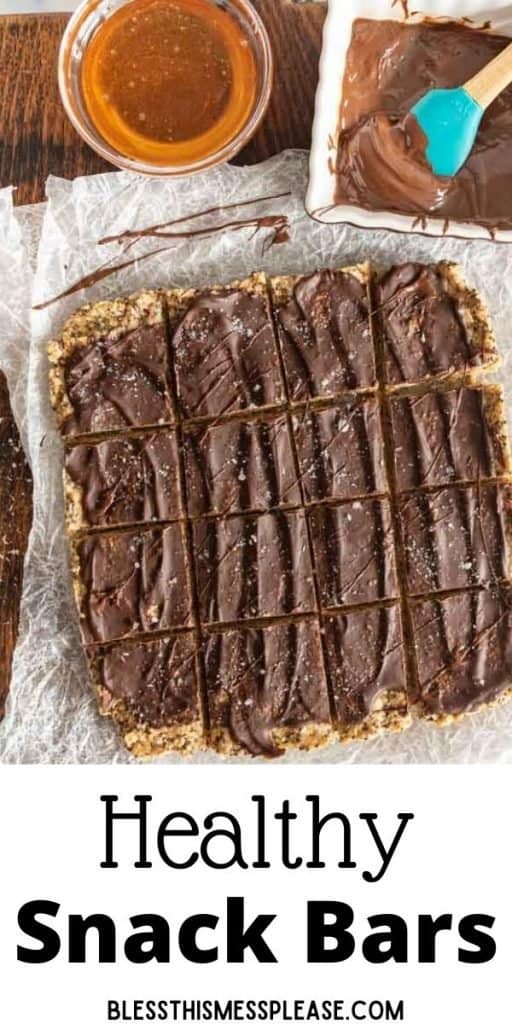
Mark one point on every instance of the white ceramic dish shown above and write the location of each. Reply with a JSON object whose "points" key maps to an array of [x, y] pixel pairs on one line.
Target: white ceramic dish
{"points": [[320, 199]]}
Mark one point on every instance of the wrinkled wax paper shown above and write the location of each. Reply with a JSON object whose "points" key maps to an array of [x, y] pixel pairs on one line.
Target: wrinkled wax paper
{"points": [[51, 714]]}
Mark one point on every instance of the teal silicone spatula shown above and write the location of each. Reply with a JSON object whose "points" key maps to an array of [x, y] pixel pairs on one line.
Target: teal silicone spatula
{"points": [[450, 118]]}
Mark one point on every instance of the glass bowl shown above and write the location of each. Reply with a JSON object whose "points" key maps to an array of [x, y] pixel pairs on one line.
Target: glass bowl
{"points": [[86, 21]]}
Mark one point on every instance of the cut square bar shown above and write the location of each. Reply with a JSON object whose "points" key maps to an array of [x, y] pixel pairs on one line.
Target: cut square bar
{"points": [[122, 480], [353, 551], [109, 369], [131, 582], [447, 436], [463, 648], [340, 450], [251, 567], [434, 327], [456, 537], [225, 353], [240, 466], [324, 332], [151, 691], [267, 689], [365, 657]]}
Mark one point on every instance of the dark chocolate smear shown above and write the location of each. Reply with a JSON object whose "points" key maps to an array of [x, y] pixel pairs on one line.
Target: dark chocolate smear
{"points": [[365, 652], [464, 650], [240, 466], [133, 583], [423, 326], [443, 437], [325, 336], [456, 537], [127, 479], [260, 680], [225, 355], [253, 567], [340, 451], [156, 681], [354, 552], [119, 382]]}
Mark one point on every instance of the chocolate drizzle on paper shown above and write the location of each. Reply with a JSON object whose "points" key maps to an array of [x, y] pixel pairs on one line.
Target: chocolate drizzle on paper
{"points": [[97, 275], [277, 225], [404, 4], [157, 230]]}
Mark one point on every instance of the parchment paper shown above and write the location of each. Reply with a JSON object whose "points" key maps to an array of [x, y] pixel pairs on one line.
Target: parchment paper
{"points": [[15, 292], [51, 715]]}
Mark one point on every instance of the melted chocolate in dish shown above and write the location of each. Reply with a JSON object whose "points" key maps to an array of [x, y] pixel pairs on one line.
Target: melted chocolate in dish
{"points": [[381, 163], [312, 547]]}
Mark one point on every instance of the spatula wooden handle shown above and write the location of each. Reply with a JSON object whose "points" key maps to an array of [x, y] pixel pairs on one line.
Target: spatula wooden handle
{"points": [[485, 86]]}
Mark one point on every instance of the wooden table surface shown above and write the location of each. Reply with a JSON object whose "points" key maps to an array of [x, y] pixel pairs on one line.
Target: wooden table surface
{"points": [[36, 140], [15, 523]]}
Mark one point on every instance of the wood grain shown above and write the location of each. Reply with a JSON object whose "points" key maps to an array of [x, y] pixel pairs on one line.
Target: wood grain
{"points": [[36, 138], [15, 523]]}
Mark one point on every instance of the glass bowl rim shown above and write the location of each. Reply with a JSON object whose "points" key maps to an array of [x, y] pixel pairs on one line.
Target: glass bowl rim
{"points": [[92, 137]]}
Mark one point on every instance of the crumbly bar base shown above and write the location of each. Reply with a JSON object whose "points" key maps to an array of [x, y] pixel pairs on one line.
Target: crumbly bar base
{"points": [[309, 737], [143, 741], [443, 721]]}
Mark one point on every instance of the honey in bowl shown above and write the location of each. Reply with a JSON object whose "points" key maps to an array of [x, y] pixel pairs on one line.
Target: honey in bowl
{"points": [[169, 81]]}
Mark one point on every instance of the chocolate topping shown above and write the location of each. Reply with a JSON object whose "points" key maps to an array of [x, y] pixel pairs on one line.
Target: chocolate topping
{"points": [[381, 158], [353, 551], [456, 537], [263, 680], [445, 436], [120, 382], [240, 466], [156, 681], [132, 583], [225, 354], [340, 450], [365, 653], [325, 336], [464, 650], [424, 329], [382, 165], [126, 479], [253, 566]]}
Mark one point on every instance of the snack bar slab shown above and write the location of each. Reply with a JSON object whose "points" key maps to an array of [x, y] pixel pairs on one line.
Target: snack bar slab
{"points": [[289, 505]]}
